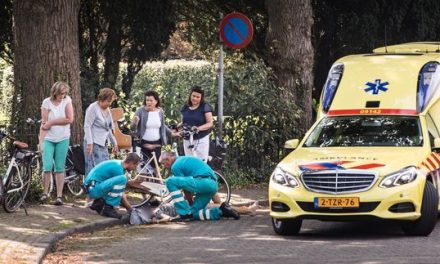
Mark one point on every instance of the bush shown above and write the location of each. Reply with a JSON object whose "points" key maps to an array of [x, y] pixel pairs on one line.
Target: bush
{"points": [[256, 122], [6, 90]]}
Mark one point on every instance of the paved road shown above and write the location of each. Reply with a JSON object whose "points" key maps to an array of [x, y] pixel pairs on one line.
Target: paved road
{"points": [[251, 240]]}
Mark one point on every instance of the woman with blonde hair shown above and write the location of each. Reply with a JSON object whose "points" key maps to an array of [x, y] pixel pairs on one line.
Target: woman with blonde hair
{"points": [[98, 129], [56, 117]]}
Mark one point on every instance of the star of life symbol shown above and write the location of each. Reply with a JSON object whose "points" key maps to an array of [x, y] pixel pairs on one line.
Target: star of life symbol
{"points": [[376, 86]]}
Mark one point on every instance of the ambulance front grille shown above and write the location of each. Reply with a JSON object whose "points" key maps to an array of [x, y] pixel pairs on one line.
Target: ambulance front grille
{"points": [[338, 181]]}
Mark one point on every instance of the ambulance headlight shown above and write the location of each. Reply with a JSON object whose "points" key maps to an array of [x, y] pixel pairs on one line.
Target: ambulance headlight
{"points": [[400, 177], [284, 178]]}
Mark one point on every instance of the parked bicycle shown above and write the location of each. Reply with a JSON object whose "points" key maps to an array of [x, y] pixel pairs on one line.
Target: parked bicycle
{"points": [[16, 181]]}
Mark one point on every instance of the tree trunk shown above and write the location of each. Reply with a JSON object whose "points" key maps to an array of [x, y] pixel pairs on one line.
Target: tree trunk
{"points": [[89, 47], [45, 51], [290, 54], [112, 52], [128, 77]]}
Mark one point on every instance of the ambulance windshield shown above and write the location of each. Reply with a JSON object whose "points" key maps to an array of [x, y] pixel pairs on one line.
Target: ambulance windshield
{"points": [[347, 131]]}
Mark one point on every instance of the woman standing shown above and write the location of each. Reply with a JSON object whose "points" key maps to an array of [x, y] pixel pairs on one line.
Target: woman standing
{"points": [[149, 124], [98, 128], [56, 116], [197, 114]]}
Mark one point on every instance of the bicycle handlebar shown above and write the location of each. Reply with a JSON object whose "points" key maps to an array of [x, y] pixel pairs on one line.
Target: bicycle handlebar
{"points": [[188, 131]]}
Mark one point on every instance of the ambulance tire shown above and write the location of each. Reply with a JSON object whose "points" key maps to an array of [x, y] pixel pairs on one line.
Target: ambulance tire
{"points": [[426, 223], [286, 227]]}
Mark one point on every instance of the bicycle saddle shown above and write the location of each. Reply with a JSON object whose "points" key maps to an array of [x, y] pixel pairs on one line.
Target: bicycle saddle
{"points": [[20, 145]]}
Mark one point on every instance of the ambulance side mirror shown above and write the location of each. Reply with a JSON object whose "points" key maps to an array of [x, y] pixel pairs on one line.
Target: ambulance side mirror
{"points": [[437, 143], [293, 144]]}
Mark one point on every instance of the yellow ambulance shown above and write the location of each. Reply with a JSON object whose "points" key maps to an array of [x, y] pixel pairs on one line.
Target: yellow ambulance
{"points": [[372, 153]]}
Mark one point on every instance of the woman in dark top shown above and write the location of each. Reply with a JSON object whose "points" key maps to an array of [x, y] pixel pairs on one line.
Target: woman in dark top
{"points": [[197, 114]]}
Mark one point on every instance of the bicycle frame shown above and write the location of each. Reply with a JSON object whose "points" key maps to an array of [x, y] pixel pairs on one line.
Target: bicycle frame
{"points": [[154, 184], [17, 178], [13, 164]]}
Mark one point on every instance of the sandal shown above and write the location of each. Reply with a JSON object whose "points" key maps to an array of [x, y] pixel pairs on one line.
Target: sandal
{"points": [[59, 201], [43, 199]]}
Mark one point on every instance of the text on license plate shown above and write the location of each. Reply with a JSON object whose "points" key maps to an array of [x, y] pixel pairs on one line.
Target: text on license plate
{"points": [[341, 202]]}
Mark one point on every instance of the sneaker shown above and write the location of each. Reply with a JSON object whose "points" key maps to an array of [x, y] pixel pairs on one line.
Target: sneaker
{"points": [[59, 201], [227, 211], [109, 211], [97, 205], [43, 199], [183, 218]]}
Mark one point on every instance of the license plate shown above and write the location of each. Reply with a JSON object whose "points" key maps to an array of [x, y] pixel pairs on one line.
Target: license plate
{"points": [[341, 202]]}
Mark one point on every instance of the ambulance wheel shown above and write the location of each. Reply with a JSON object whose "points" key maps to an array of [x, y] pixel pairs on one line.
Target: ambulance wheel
{"points": [[286, 227], [426, 223]]}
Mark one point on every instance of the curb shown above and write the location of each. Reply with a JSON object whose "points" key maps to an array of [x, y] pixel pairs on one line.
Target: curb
{"points": [[52, 239]]}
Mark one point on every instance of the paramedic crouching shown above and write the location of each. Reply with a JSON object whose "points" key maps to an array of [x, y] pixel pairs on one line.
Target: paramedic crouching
{"points": [[193, 175], [106, 184]]}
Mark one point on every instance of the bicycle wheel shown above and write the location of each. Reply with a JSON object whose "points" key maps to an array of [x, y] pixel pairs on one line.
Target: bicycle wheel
{"points": [[15, 193], [223, 188], [74, 181], [138, 202]]}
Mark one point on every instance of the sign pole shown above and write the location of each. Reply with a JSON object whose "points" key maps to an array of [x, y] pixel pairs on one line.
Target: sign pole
{"points": [[220, 90], [236, 32]]}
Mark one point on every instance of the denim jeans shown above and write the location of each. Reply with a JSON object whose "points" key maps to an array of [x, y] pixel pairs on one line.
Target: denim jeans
{"points": [[99, 154]]}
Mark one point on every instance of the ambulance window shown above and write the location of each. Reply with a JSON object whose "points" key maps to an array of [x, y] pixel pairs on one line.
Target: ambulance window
{"points": [[432, 129], [347, 131]]}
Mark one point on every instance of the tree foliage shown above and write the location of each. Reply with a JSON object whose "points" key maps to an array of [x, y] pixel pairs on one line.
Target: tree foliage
{"points": [[345, 27], [115, 31], [6, 30], [202, 23]]}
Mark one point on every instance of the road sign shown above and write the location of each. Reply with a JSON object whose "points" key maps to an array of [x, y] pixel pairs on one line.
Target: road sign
{"points": [[236, 30]]}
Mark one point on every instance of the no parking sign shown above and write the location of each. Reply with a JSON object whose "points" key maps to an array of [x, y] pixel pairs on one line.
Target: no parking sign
{"points": [[236, 30]]}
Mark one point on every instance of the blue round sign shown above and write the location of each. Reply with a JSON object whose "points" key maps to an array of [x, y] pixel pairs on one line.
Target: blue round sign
{"points": [[236, 30]]}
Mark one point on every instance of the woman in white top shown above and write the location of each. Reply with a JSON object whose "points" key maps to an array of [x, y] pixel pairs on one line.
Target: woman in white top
{"points": [[56, 116], [98, 128], [149, 125]]}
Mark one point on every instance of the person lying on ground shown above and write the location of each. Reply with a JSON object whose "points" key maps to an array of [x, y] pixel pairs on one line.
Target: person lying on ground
{"points": [[152, 213], [242, 210]]}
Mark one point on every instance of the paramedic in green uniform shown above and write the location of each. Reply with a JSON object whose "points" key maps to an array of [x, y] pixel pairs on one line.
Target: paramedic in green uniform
{"points": [[106, 184], [193, 175]]}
